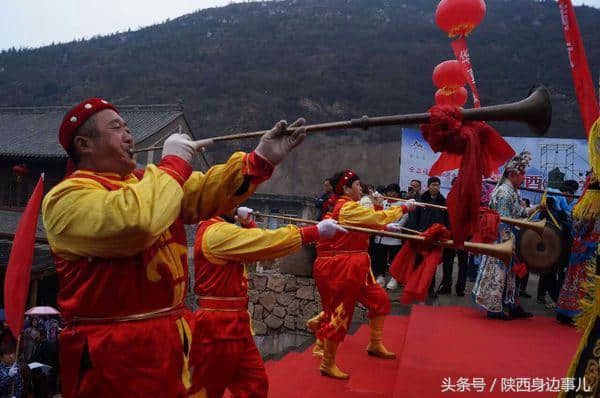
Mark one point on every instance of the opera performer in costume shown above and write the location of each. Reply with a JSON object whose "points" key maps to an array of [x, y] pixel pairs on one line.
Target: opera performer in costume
{"points": [[495, 288], [117, 236], [223, 351], [585, 366], [350, 279], [585, 231]]}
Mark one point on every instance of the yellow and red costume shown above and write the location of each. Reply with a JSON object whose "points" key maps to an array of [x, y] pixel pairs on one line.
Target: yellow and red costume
{"points": [[320, 273], [121, 258], [223, 351], [349, 277]]}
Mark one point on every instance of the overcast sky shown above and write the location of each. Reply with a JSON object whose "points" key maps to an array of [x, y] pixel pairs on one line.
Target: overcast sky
{"points": [[34, 23]]}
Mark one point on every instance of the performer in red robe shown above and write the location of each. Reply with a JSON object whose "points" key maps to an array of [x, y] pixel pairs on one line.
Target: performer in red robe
{"points": [[119, 244], [321, 276], [349, 276], [223, 351]]}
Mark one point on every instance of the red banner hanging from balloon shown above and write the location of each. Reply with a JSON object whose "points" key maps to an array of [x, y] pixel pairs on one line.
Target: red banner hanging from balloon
{"points": [[582, 78], [462, 56]]}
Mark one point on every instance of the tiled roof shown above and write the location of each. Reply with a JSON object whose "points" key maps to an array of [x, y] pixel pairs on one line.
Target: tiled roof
{"points": [[10, 219], [33, 131], [42, 258]]}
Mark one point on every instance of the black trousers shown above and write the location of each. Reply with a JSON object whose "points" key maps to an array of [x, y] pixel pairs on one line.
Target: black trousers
{"points": [[523, 282], [448, 260], [381, 257], [552, 281], [549, 283]]}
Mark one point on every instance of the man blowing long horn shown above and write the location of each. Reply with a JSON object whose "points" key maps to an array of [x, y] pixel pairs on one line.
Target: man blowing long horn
{"points": [[119, 244]]}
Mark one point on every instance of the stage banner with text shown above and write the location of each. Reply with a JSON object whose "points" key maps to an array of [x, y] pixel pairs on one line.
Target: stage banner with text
{"points": [[554, 160]]}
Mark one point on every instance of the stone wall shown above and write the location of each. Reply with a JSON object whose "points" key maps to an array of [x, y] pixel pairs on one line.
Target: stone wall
{"points": [[282, 303]]}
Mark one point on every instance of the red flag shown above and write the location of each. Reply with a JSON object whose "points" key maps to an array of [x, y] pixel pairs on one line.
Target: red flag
{"points": [[18, 272], [462, 56], [582, 78]]}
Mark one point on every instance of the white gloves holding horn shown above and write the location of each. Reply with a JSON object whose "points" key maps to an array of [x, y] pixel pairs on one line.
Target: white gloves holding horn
{"points": [[244, 215], [328, 228], [411, 204], [182, 145], [393, 227], [277, 143]]}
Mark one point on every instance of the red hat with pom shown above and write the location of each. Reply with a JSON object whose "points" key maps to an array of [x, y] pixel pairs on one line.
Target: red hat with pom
{"points": [[77, 116]]}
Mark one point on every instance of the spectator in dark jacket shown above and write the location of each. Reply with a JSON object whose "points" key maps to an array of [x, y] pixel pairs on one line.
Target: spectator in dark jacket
{"points": [[10, 373], [463, 266], [424, 218]]}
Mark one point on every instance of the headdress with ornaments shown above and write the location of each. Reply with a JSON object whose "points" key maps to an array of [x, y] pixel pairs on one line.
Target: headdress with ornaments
{"points": [[518, 163], [348, 177]]}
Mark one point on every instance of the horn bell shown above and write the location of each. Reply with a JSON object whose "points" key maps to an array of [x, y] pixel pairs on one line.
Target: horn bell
{"points": [[535, 111]]}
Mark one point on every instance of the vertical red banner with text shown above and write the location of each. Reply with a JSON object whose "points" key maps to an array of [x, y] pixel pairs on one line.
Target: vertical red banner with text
{"points": [[462, 55], [582, 78]]}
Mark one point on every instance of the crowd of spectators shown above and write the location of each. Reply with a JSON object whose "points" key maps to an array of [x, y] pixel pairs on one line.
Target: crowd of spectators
{"points": [[34, 371]]}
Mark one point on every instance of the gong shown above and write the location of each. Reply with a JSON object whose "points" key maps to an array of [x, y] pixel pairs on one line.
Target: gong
{"points": [[540, 253]]}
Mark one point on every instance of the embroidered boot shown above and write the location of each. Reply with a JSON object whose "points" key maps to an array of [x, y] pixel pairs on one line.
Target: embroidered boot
{"points": [[328, 366], [376, 347]]}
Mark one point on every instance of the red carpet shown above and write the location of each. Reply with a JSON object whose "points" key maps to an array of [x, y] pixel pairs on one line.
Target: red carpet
{"points": [[433, 344], [297, 374], [455, 342]]}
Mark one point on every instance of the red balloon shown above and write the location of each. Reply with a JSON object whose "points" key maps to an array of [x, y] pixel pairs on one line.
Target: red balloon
{"points": [[449, 76], [455, 98], [459, 97], [459, 17]]}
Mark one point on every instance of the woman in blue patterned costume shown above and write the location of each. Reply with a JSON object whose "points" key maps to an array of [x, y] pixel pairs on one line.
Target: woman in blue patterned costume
{"points": [[496, 289]]}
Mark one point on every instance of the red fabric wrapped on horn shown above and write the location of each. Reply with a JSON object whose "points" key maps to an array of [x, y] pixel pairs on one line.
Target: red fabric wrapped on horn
{"points": [[476, 150]]}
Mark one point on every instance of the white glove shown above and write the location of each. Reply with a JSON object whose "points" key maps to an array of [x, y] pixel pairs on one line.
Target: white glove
{"points": [[277, 143], [244, 215], [411, 204], [328, 228], [181, 145], [12, 372], [393, 227]]}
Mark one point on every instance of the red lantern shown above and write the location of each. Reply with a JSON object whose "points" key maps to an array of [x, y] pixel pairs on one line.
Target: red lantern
{"points": [[456, 98], [20, 171], [459, 17], [449, 76]]}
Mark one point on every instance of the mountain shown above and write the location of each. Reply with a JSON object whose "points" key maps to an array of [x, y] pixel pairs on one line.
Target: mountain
{"points": [[242, 67]]}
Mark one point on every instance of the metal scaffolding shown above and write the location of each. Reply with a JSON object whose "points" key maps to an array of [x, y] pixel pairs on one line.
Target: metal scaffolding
{"points": [[558, 156]]}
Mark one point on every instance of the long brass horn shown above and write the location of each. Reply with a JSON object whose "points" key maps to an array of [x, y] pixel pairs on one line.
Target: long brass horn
{"points": [[535, 111], [502, 251], [537, 226]]}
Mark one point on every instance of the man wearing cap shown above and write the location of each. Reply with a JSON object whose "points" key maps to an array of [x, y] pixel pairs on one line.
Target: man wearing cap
{"points": [[120, 249], [223, 353]]}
